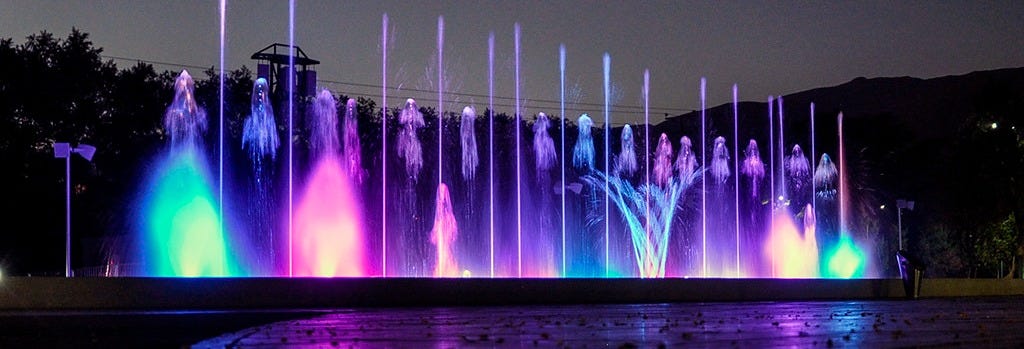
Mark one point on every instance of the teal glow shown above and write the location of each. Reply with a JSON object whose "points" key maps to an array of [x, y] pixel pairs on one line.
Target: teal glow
{"points": [[846, 260], [185, 236]]}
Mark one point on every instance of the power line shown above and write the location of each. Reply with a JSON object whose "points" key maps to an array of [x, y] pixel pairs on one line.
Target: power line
{"points": [[617, 108]]}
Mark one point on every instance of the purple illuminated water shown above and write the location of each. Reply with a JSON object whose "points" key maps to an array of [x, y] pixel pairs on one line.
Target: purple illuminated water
{"points": [[467, 138], [352, 151], [625, 162], [541, 221]]}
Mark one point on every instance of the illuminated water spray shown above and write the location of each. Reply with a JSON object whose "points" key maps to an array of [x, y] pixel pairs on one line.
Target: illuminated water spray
{"points": [[352, 151], [663, 161], [490, 148], [846, 259], [291, 143], [583, 151], [328, 232], [384, 145], [543, 145], [519, 172], [625, 162], [408, 146], [440, 98], [443, 235], [468, 140], [703, 180], [260, 140], [185, 235], [607, 151], [720, 161], [753, 168], [736, 165], [647, 211], [686, 161], [561, 108]]}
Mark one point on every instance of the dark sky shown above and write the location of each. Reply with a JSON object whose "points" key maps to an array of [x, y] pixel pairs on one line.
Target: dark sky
{"points": [[768, 48]]}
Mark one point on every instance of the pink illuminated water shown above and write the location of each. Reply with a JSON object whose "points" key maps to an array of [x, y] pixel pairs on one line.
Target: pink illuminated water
{"points": [[328, 236], [443, 235]]}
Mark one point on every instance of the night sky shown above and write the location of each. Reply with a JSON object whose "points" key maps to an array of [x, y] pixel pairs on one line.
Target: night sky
{"points": [[768, 48]]}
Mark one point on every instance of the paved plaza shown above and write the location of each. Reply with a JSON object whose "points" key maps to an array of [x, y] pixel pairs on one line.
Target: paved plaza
{"points": [[972, 322]]}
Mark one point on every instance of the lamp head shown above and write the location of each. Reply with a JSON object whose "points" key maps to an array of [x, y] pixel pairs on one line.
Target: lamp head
{"points": [[61, 150], [86, 151], [905, 204]]}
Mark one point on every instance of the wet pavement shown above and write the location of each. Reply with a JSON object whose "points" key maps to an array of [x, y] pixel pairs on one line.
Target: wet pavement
{"points": [[974, 322], [128, 329]]}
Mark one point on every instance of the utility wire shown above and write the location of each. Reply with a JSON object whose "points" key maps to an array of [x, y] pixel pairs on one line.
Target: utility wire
{"points": [[618, 108]]}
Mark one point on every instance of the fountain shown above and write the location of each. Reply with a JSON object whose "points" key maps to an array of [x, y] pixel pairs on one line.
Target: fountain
{"points": [[185, 236], [328, 233], [259, 138], [704, 213]]}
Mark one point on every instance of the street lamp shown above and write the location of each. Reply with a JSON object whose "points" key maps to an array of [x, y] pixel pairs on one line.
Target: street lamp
{"points": [[63, 151], [900, 205]]}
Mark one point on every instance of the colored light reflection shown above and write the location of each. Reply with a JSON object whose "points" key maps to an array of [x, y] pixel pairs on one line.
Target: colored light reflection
{"points": [[796, 254], [185, 236], [846, 260], [327, 233]]}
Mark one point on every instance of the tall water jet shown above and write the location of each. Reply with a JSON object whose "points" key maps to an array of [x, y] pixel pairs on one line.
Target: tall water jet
{"points": [[625, 163], [184, 229], [328, 232], [260, 140], [543, 145], [440, 99], [490, 148], [384, 145], [647, 140], [291, 133], [845, 259], [222, 8], [443, 235], [703, 179], [519, 171], [607, 151], [771, 175], [352, 151], [561, 110], [736, 165], [814, 198], [408, 146], [468, 140], [663, 162], [583, 151]]}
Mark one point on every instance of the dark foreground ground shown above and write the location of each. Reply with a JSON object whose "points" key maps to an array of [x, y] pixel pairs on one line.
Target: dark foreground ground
{"points": [[970, 322]]}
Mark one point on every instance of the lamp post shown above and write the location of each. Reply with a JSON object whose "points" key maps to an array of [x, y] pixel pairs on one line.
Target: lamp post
{"points": [[900, 205], [63, 151]]}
